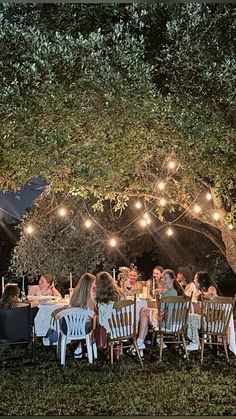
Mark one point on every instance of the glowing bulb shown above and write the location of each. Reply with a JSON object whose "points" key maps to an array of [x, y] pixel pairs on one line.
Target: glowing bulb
{"points": [[230, 226], [148, 220], [138, 204], [197, 209], [216, 216], [146, 216], [162, 202], [29, 229], [171, 164], [62, 212], [88, 223], [169, 232], [161, 185], [143, 222], [208, 196], [113, 242]]}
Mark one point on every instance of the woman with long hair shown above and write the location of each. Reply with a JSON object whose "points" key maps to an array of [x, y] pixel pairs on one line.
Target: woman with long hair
{"points": [[206, 285], [106, 294]]}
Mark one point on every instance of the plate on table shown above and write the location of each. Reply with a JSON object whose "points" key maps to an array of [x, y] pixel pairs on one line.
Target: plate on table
{"points": [[43, 299]]}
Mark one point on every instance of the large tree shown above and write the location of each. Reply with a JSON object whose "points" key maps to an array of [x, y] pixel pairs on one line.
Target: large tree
{"points": [[98, 109]]}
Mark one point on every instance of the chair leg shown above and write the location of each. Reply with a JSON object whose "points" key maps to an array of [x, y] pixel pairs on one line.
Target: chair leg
{"points": [[185, 348], [95, 351], [202, 348], [225, 347], [89, 349], [138, 351], [63, 350], [112, 352], [161, 347]]}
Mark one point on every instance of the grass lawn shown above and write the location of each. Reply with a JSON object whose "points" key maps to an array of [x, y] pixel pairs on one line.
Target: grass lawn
{"points": [[175, 387]]}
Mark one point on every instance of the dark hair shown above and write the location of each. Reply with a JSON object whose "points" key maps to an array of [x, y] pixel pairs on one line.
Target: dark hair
{"points": [[9, 293], [178, 287], [187, 273], [205, 281], [107, 290], [159, 268]]}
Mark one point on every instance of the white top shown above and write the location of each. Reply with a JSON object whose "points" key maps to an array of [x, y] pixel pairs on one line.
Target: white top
{"points": [[191, 288]]}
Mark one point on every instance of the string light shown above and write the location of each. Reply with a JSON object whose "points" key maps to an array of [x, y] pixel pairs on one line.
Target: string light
{"points": [[143, 222], [162, 202], [171, 164], [138, 205], [146, 216], [148, 220], [216, 216], [161, 186], [29, 229], [208, 196], [62, 212], [169, 231], [197, 208], [113, 242], [230, 226], [88, 223]]}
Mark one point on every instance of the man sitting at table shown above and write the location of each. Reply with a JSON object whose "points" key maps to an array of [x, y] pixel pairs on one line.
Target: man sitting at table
{"points": [[45, 287]]}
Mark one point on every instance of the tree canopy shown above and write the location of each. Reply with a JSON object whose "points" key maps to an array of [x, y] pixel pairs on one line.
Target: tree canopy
{"points": [[96, 99]]}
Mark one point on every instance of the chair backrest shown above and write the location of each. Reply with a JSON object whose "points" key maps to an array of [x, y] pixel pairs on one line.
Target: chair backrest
{"points": [[173, 313], [15, 323], [215, 314], [123, 319], [75, 319]]}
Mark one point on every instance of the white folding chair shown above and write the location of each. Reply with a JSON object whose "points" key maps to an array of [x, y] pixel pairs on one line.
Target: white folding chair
{"points": [[72, 326]]}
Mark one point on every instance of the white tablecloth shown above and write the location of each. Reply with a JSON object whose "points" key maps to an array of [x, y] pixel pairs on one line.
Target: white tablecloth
{"points": [[43, 318]]}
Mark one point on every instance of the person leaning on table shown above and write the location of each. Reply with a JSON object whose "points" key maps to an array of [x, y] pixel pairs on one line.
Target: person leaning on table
{"points": [[45, 287]]}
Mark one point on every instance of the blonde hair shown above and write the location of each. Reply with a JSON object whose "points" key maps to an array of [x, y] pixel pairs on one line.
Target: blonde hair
{"points": [[82, 291], [107, 290]]}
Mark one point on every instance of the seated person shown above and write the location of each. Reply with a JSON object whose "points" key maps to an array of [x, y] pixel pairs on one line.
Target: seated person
{"points": [[150, 315], [156, 281], [45, 287], [11, 299], [185, 277], [106, 294], [83, 297], [132, 285]]}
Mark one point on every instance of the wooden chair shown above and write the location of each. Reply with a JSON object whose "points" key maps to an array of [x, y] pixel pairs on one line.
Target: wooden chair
{"points": [[122, 326], [172, 321], [215, 317]]}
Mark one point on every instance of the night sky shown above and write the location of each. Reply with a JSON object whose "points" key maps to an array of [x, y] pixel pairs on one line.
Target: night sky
{"points": [[17, 203]]}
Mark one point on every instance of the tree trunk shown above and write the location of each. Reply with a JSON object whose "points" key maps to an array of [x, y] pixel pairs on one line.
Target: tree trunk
{"points": [[229, 240]]}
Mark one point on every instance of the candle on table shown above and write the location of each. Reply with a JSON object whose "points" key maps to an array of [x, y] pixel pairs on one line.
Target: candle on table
{"points": [[71, 281], [3, 285], [153, 287], [114, 273], [23, 283]]}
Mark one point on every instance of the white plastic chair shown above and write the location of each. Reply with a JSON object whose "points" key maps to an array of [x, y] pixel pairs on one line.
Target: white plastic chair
{"points": [[75, 320]]}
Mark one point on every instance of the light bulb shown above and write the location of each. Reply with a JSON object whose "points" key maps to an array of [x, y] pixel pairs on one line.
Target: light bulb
{"points": [[169, 231], [113, 242], [138, 204], [161, 185], [171, 164], [197, 209], [143, 222], [88, 223], [162, 202], [146, 216], [230, 226], [208, 196], [148, 220], [62, 212], [29, 229], [216, 216]]}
